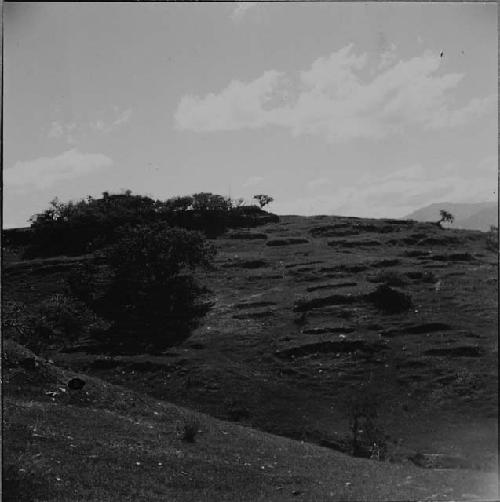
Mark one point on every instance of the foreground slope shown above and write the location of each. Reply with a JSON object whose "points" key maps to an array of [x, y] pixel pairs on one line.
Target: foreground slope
{"points": [[104, 442]]}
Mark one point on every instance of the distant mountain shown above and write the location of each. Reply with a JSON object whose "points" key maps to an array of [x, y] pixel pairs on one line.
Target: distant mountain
{"points": [[473, 216]]}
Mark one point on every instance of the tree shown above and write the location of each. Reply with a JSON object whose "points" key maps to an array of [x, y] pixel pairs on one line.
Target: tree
{"points": [[151, 295], [446, 217], [79, 227], [263, 199]]}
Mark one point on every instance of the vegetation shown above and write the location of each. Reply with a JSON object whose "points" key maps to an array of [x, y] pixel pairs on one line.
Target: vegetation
{"points": [[263, 199], [367, 440], [189, 429], [147, 290], [75, 228], [446, 217], [57, 323]]}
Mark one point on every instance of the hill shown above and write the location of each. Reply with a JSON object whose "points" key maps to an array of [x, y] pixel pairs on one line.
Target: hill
{"points": [[298, 331], [474, 216], [104, 442]]}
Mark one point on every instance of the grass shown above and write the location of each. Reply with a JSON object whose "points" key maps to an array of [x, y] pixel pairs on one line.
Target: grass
{"points": [[229, 361], [122, 446]]}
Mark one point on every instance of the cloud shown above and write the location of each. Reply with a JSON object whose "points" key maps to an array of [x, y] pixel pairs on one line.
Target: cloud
{"points": [[42, 173], [241, 9], [399, 193], [105, 127], [333, 101], [253, 181], [70, 131]]}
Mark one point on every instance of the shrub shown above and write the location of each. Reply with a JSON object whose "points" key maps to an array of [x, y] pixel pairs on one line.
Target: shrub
{"points": [[446, 217], [80, 227], [263, 199], [366, 439], [390, 300], [148, 290], [57, 322], [189, 429]]}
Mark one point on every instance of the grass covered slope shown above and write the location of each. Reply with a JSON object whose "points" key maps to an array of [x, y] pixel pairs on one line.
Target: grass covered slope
{"points": [[104, 442], [312, 317]]}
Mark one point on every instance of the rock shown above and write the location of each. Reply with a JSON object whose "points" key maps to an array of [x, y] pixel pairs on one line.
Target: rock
{"points": [[76, 384], [390, 300]]}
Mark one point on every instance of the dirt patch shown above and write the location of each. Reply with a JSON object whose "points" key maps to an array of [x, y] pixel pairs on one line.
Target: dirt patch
{"points": [[418, 329], [306, 304], [247, 264], [250, 305], [247, 236], [354, 243], [254, 315], [287, 242], [457, 351]]}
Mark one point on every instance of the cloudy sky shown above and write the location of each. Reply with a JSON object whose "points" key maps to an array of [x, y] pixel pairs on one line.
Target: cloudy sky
{"points": [[332, 108]]}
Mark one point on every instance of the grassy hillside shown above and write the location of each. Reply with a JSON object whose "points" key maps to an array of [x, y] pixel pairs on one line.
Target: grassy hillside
{"points": [[296, 336], [104, 442]]}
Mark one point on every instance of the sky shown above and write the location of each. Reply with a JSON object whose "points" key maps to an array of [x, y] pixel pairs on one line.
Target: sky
{"points": [[331, 108]]}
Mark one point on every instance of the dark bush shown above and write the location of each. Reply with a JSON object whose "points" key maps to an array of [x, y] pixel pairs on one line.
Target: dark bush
{"points": [[81, 227], [146, 288], [390, 300]]}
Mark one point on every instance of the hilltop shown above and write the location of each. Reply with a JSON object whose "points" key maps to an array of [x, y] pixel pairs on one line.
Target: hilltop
{"points": [[297, 330]]}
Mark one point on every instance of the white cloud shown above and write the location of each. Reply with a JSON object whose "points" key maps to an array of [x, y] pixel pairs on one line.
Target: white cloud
{"points": [[399, 193], [70, 131], [253, 181], [241, 9], [239, 105], [332, 100], [44, 172], [121, 118]]}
